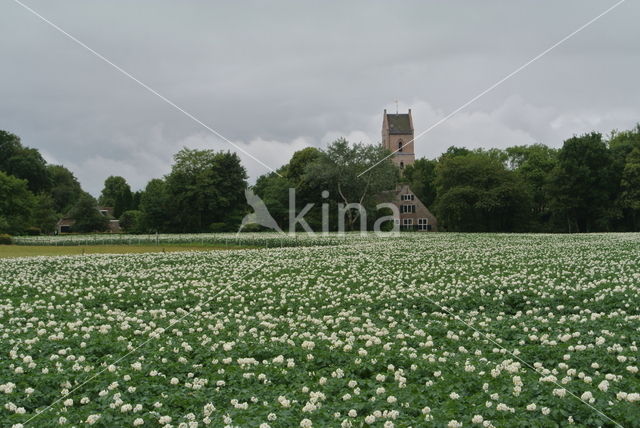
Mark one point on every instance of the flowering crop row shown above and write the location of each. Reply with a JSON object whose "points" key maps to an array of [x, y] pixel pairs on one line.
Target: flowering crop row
{"points": [[269, 239], [419, 330]]}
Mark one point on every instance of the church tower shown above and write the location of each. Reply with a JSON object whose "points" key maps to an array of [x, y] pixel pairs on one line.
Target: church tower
{"points": [[397, 137]]}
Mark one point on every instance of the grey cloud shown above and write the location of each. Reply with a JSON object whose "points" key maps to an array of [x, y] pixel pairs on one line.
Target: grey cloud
{"points": [[277, 76]]}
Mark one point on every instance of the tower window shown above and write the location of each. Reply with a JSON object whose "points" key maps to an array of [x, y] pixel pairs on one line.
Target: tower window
{"points": [[400, 146], [401, 165]]}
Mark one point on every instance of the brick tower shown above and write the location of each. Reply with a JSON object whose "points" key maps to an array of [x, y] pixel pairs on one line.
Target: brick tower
{"points": [[397, 137]]}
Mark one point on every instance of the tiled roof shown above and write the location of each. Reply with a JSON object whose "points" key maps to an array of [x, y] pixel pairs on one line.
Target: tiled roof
{"points": [[399, 123]]}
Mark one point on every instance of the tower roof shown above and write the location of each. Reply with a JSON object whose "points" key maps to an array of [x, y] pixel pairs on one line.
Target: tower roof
{"points": [[399, 123]]}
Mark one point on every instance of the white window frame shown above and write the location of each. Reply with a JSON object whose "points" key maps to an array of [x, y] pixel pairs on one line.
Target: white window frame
{"points": [[408, 209], [423, 224], [407, 222]]}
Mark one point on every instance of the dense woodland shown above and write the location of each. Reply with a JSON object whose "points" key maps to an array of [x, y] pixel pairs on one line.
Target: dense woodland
{"points": [[591, 184]]}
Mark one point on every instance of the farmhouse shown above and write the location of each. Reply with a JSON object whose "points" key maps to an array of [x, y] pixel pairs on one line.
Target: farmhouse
{"points": [[65, 225], [397, 137]]}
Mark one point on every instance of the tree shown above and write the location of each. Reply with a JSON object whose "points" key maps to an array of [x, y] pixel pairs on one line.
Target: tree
{"points": [[88, 218], [476, 193], [9, 145], [621, 144], [16, 204], [65, 188], [154, 205], [117, 194], [583, 185], [421, 176], [23, 162], [135, 202], [353, 173], [630, 185], [300, 161], [131, 221], [454, 151], [207, 190], [534, 164], [44, 214], [273, 189]]}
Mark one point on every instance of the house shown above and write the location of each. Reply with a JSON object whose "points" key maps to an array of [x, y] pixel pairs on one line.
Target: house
{"points": [[397, 137], [106, 211], [65, 224], [114, 226], [414, 215]]}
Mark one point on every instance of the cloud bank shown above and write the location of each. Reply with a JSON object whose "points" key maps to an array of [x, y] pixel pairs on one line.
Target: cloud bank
{"points": [[275, 78]]}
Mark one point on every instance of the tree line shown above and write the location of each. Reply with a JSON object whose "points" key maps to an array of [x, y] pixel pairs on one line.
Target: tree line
{"points": [[590, 184], [203, 192]]}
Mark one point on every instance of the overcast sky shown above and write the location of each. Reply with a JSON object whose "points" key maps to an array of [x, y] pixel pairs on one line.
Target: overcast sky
{"points": [[276, 77]]}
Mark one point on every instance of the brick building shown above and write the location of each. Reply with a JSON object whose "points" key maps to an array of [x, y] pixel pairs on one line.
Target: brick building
{"points": [[397, 137]]}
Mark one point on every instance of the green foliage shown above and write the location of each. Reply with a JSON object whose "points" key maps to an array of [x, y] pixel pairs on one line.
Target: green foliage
{"points": [[220, 227], [5, 239], [476, 193], [621, 145], [343, 169], [534, 165], [65, 188], [23, 162], [588, 185], [135, 200], [88, 218], [583, 184], [154, 204], [117, 194], [16, 204], [132, 221], [33, 231], [421, 177], [454, 151], [44, 215], [336, 169], [630, 185], [273, 189], [205, 187], [299, 163], [509, 329]]}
